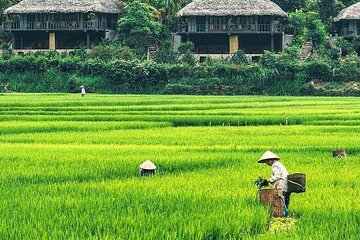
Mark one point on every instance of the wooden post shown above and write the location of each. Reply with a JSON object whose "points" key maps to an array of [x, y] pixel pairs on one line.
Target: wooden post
{"points": [[233, 43], [87, 40], [257, 23], [356, 28], [206, 24], [21, 42], [81, 20], [36, 20], [52, 40], [272, 42], [13, 41]]}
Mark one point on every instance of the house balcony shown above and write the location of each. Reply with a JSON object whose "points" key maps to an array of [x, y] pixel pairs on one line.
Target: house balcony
{"points": [[55, 25], [230, 28], [349, 32]]}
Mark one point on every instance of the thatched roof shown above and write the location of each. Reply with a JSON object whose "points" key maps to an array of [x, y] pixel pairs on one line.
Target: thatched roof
{"points": [[231, 8], [65, 6], [349, 13]]}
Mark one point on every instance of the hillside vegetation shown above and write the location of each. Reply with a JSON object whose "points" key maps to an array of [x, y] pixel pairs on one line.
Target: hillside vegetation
{"points": [[121, 66]]}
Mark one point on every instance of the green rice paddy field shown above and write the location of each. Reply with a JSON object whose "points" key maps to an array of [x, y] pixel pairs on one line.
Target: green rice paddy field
{"points": [[69, 166]]}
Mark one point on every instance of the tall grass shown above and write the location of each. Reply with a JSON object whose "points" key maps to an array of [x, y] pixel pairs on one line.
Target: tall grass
{"points": [[70, 166]]}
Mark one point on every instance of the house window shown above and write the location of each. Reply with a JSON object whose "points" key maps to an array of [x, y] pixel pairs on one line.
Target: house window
{"points": [[264, 24], [71, 17], [218, 23], [43, 17], [240, 20], [264, 20], [31, 17], [218, 20]]}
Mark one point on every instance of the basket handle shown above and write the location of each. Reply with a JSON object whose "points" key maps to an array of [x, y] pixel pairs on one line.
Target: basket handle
{"points": [[296, 184]]}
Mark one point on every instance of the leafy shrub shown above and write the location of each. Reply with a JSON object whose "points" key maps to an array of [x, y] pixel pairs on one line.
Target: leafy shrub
{"points": [[186, 51], [166, 54], [110, 51], [239, 58], [318, 69], [5, 51]]}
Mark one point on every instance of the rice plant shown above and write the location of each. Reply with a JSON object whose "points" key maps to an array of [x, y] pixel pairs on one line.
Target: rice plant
{"points": [[70, 166]]}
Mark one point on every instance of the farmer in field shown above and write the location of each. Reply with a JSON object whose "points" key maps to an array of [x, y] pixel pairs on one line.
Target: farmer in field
{"points": [[278, 175], [82, 91], [147, 168]]}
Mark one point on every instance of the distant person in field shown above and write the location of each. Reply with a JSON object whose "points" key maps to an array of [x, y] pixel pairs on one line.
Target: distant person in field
{"points": [[82, 91], [147, 168], [278, 175]]}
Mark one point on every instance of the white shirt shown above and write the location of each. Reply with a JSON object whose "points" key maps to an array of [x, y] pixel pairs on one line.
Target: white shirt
{"points": [[279, 176], [83, 91]]}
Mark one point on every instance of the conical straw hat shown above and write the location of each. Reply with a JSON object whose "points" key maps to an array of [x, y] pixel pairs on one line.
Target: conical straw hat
{"points": [[268, 156], [148, 165]]}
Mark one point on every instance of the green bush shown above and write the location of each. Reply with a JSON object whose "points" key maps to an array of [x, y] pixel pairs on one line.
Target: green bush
{"points": [[318, 69], [166, 54], [239, 58], [109, 51]]}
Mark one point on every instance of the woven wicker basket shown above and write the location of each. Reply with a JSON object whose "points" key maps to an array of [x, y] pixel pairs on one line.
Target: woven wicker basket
{"points": [[272, 197]]}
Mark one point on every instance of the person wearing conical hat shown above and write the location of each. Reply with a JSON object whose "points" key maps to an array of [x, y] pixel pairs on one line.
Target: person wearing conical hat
{"points": [[147, 168], [279, 174], [82, 90]]}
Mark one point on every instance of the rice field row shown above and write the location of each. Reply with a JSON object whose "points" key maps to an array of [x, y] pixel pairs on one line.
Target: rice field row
{"points": [[70, 166]]}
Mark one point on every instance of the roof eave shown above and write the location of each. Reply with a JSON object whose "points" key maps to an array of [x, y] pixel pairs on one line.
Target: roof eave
{"points": [[218, 15], [9, 12]]}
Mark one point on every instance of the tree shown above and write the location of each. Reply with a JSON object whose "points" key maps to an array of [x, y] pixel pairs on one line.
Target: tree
{"points": [[316, 30], [239, 58], [169, 8], [186, 51], [297, 26], [328, 9], [138, 21], [166, 54], [290, 5], [108, 51]]}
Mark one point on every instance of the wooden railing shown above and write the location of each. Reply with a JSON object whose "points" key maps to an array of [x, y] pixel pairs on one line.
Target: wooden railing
{"points": [[55, 25], [226, 28], [349, 31]]}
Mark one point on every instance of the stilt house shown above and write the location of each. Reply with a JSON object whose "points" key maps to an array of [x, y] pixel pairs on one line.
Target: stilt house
{"points": [[349, 21], [61, 24], [221, 27]]}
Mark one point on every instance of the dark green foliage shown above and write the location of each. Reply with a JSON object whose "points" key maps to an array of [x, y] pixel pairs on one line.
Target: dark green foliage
{"points": [[239, 58], [297, 26], [166, 53], [275, 74], [186, 51], [73, 84], [290, 5], [347, 68], [316, 30], [356, 43], [318, 69], [138, 21], [110, 51], [79, 52], [208, 86], [328, 9], [5, 51], [344, 46]]}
